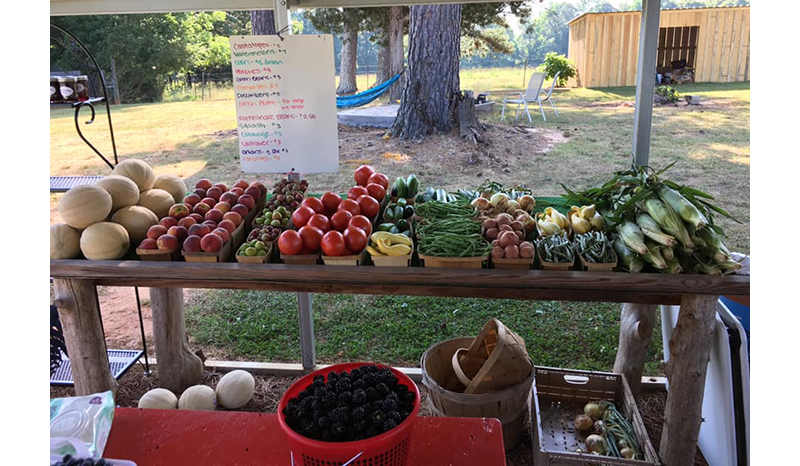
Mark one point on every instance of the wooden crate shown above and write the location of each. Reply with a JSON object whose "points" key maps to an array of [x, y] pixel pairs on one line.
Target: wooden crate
{"points": [[257, 259], [454, 262], [162, 255], [300, 259], [559, 395], [223, 255], [355, 259]]}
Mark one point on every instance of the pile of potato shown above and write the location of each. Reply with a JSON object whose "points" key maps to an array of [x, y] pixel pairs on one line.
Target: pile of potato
{"points": [[507, 236]]}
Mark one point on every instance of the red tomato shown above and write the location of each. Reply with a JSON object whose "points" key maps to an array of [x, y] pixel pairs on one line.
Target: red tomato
{"points": [[320, 221], [379, 178], [377, 191], [362, 174], [290, 242], [331, 202], [356, 191], [301, 216], [311, 237], [341, 219], [369, 206], [355, 239], [351, 206], [359, 221], [333, 244], [315, 203]]}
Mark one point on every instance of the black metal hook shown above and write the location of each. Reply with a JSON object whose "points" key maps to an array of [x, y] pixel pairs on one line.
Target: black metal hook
{"points": [[283, 30]]}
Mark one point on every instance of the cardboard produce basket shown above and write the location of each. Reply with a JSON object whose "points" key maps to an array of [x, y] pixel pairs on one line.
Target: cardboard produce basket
{"points": [[558, 396], [300, 259], [223, 255], [161, 255], [454, 262], [271, 247], [352, 260]]}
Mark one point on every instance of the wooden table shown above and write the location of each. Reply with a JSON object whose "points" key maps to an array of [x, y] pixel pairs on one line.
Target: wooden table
{"points": [[76, 298], [153, 437]]}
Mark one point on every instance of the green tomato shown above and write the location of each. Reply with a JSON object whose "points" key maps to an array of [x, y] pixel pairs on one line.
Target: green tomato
{"points": [[277, 216], [259, 245], [250, 251], [261, 252], [275, 223], [259, 220]]}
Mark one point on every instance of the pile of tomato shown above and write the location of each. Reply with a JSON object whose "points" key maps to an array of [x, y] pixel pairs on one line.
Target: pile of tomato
{"points": [[336, 226]]}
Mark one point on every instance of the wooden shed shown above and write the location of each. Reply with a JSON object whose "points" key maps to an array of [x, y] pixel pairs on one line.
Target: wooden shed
{"points": [[714, 42]]}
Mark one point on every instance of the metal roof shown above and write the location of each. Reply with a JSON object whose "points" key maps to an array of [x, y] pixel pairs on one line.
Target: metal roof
{"points": [[662, 10]]}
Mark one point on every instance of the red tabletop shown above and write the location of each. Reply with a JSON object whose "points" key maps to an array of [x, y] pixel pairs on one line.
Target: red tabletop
{"points": [[152, 437]]}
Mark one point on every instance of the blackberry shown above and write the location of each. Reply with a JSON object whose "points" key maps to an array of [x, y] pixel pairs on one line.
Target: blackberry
{"points": [[320, 379], [382, 389], [323, 422], [378, 405], [329, 401], [327, 435], [408, 407], [389, 424], [346, 397], [372, 394], [359, 383], [395, 416], [343, 385], [320, 392], [378, 418], [409, 397], [339, 430], [361, 426], [390, 404], [401, 389], [369, 379], [342, 404], [359, 397], [367, 409], [301, 412], [339, 415], [308, 427], [358, 413]]}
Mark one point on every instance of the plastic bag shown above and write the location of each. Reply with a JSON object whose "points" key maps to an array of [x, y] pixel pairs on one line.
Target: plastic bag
{"points": [[79, 425]]}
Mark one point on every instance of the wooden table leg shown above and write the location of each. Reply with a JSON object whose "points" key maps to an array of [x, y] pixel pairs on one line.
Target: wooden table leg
{"points": [[79, 313], [635, 332], [178, 368], [690, 348]]}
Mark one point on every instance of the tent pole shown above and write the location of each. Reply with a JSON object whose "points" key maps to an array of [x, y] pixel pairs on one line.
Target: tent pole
{"points": [[282, 15], [645, 81]]}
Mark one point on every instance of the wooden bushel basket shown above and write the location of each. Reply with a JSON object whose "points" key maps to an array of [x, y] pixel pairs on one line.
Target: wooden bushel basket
{"points": [[496, 359], [446, 397]]}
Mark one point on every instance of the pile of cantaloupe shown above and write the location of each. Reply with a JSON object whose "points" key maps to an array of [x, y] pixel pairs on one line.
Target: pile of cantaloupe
{"points": [[103, 220], [233, 391]]}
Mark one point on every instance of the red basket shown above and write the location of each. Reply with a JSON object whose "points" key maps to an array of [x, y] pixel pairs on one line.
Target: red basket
{"points": [[387, 449]]}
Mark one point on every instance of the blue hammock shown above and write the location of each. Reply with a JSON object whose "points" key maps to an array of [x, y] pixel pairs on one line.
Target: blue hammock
{"points": [[357, 100]]}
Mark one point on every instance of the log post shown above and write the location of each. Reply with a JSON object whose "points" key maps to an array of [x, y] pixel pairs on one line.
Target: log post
{"points": [[79, 313], [635, 332], [178, 368], [690, 348]]}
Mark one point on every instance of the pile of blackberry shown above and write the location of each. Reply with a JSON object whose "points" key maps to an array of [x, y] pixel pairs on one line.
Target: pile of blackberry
{"points": [[349, 406], [68, 460]]}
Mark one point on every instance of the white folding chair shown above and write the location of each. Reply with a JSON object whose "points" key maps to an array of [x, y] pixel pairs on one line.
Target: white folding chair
{"points": [[549, 95], [532, 94]]}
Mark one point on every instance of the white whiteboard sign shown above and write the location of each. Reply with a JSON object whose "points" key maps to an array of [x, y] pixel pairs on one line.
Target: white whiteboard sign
{"points": [[285, 103]]}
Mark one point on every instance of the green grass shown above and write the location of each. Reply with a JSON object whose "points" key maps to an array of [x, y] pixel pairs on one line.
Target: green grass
{"points": [[398, 329]]}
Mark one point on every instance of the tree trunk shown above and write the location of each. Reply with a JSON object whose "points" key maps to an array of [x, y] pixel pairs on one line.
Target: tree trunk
{"points": [[635, 331], [428, 99], [347, 67], [397, 21], [689, 348], [468, 125], [178, 367], [79, 313], [384, 72], [263, 22]]}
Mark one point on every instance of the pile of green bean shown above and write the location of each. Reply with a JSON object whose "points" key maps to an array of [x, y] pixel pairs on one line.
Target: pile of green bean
{"points": [[460, 225], [450, 230], [555, 249], [594, 247], [619, 433], [437, 210], [453, 245]]}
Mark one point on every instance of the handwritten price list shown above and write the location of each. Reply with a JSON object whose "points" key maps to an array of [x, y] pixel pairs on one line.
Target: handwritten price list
{"points": [[285, 103]]}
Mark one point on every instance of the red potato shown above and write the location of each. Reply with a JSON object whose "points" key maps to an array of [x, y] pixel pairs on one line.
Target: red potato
{"points": [[525, 253], [505, 227], [491, 233], [511, 252], [517, 225], [498, 252], [508, 238]]}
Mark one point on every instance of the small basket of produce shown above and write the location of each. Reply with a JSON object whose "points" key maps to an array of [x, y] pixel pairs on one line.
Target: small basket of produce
{"points": [[254, 251], [206, 245], [581, 417], [390, 249], [300, 249], [509, 248], [397, 211], [595, 252], [493, 198], [353, 413], [585, 219], [552, 222], [405, 188], [160, 245], [450, 235], [555, 252]]}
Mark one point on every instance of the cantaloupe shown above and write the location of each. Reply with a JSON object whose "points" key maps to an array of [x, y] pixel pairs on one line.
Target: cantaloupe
{"points": [[172, 184], [136, 220], [138, 171], [65, 241], [198, 397], [82, 206], [105, 241], [124, 191], [159, 398], [235, 389], [157, 200]]}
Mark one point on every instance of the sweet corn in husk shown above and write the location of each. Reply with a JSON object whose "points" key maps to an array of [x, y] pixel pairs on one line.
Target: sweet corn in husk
{"points": [[628, 259], [651, 229], [633, 237], [685, 209], [653, 255], [669, 221]]}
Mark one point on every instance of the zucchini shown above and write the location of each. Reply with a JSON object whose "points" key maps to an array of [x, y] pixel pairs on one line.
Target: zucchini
{"points": [[429, 195], [388, 214], [394, 230], [398, 213], [441, 195], [402, 202], [400, 185], [408, 211], [402, 225], [385, 226], [412, 186]]}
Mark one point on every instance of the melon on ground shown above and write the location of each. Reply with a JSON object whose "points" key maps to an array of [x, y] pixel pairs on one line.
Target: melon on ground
{"points": [[123, 191], [65, 241], [157, 200], [172, 184], [138, 171], [136, 220], [235, 389], [105, 241], [198, 397], [82, 206], [158, 398]]}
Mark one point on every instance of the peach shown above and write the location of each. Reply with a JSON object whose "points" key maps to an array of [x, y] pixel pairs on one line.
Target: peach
{"points": [[260, 187], [240, 183], [228, 225], [222, 233], [211, 243], [201, 193], [221, 187], [156, 230], [234, 217], [187, 222], [215, 215], [179, 232], [192, 244], [197, 218], [168, 222], [223, 206], [210, 224], [179, 211], [214, 192], [248, 201], [198, 229], [230, 197], [253, 191], [204, 183], [210, 201], [241, 209], [201, 208], [237, 191], [191, 199], [168, 242], [148, 243]]}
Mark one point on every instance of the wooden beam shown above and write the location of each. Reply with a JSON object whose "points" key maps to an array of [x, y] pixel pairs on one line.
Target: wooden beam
{"points": [[653, 288], [645, 81], [180, 368]]}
